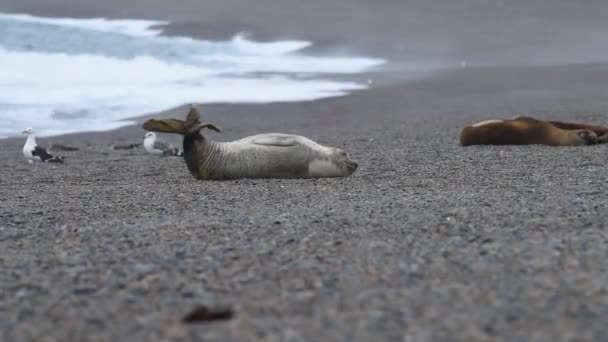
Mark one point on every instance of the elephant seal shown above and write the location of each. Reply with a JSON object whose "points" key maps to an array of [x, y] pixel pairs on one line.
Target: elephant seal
{"points": [[270, 155], [522, 130]]}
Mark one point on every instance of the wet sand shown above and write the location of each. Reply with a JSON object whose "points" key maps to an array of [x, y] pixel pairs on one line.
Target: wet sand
{"points": [[427, 241]]}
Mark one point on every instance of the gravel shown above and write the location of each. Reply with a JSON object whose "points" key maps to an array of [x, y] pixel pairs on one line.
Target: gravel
{"points": [[427, 241]]}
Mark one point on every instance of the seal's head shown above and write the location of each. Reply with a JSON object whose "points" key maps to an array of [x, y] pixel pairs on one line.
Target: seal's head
{"points": [[586, 137], [343, 161]]}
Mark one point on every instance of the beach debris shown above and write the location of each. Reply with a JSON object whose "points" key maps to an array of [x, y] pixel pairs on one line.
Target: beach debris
{"points": [[34, 153], [62, 147], [126, 146], [203, 313], [158, 147]]}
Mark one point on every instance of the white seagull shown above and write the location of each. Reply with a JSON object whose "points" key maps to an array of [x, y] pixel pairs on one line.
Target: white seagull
{"points": [[33, 153], [158, 147]]}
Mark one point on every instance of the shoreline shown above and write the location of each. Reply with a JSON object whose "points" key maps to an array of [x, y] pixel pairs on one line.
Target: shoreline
{"points": [[266, 113]]}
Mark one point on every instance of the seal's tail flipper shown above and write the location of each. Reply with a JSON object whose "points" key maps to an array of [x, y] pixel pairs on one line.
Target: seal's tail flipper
{"points": [[601, 131], [193, 121], [191, 125], [165, 126], [193, 117]]}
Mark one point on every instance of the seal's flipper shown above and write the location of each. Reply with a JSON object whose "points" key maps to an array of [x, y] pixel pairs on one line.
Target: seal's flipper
{"points": [[193, 123], [193, 117], [206, 125], [602, 139], [599, 130]]}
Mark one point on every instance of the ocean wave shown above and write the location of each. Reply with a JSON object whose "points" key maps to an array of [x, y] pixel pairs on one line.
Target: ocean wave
{"points": [[68, 75]]}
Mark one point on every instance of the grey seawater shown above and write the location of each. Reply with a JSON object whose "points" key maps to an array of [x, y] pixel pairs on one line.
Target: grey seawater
{"points": [[48, 38]]}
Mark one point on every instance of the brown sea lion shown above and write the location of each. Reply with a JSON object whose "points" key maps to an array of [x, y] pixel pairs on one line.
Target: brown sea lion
{"points": [[523, 130]]}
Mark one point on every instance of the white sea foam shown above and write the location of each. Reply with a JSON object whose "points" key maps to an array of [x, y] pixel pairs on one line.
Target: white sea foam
{"points": [[136, 28], [70, 75]]}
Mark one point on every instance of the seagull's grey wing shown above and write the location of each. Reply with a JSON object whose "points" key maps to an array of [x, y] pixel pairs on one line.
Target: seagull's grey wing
{"points": [[166, 148], [162, 146], [279, 140]]}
